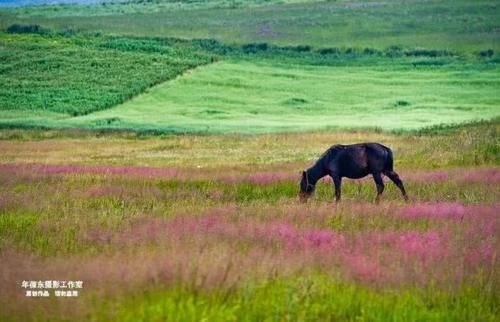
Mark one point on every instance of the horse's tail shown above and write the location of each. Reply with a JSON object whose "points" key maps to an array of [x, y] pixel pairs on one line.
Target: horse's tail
{"points": [[389, 163]]}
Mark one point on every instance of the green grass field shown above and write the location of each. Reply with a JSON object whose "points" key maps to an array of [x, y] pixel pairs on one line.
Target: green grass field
{"points": [[392, 66], [251, 89], [253, 97]]}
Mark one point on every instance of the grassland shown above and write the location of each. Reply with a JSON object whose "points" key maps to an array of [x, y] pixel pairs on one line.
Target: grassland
{"points": [[244, 97], [209, 227], [56, 80], [454, 25], [394, 66], [97, 186]]}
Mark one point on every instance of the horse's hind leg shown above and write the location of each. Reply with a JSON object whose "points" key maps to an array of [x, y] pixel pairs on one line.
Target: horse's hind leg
{"points": [[377, 177], [337, 182], [397, 181]]}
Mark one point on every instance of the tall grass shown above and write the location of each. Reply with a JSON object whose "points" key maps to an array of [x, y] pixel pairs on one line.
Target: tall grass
{"points": [[216, 241], [201, 236], [240, 155]]}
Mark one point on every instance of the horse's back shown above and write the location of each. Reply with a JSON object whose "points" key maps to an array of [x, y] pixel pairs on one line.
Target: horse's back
{"points": [[377, 146], [357, 160], [367, 146]]}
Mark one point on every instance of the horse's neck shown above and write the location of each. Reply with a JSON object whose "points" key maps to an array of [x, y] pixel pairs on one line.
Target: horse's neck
{"points": [[315, 173]]}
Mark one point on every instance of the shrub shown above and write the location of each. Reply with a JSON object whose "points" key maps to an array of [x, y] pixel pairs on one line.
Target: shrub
{"points": [[23, 29], [428, 52], [329, 51], [486, 53], [394, 51], [370, 51], [302, 48], [253, 48]]}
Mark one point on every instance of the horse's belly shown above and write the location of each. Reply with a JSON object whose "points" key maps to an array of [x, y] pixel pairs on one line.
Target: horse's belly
{"points": [[357, 174]]}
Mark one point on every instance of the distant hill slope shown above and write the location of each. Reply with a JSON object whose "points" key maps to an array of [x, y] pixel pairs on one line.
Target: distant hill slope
{"points": [[459, 25], [17, 3]]}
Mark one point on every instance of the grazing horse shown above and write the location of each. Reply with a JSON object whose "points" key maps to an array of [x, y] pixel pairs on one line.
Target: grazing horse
{"points": [[352, 161]]}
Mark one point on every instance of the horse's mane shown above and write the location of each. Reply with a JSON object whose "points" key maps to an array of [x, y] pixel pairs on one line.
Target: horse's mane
{"points": [[326, 155]]}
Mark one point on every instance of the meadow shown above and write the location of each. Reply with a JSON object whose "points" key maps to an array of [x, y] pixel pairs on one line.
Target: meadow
{"points": [[213, 67], [153, 150], [209, 227], [248, 97], [169, 85]]}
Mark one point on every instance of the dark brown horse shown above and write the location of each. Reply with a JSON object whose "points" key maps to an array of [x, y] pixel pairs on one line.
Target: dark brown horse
{"points": [[352, 161]]}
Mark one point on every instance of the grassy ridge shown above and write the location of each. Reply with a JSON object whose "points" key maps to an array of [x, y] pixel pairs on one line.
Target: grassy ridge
{"points": [[456, 25], [377, 82]]}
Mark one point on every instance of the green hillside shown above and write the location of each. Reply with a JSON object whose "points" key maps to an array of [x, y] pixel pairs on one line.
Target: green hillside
{"points": [[281, 65], [450, 24], [66, 81]]}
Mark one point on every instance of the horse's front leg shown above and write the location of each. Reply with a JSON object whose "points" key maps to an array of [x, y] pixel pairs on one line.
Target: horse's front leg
{"points": [[337, 182]]}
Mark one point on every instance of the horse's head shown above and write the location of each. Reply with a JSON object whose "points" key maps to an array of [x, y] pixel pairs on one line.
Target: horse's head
{"points": [[306, 187]]}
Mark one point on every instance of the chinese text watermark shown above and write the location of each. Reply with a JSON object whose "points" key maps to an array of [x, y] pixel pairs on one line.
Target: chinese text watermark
{"points": [[50, 287]]}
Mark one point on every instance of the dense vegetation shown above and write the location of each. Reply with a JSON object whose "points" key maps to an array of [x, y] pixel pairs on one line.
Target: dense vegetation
{"points": [[72, 75], [212, 229]]}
